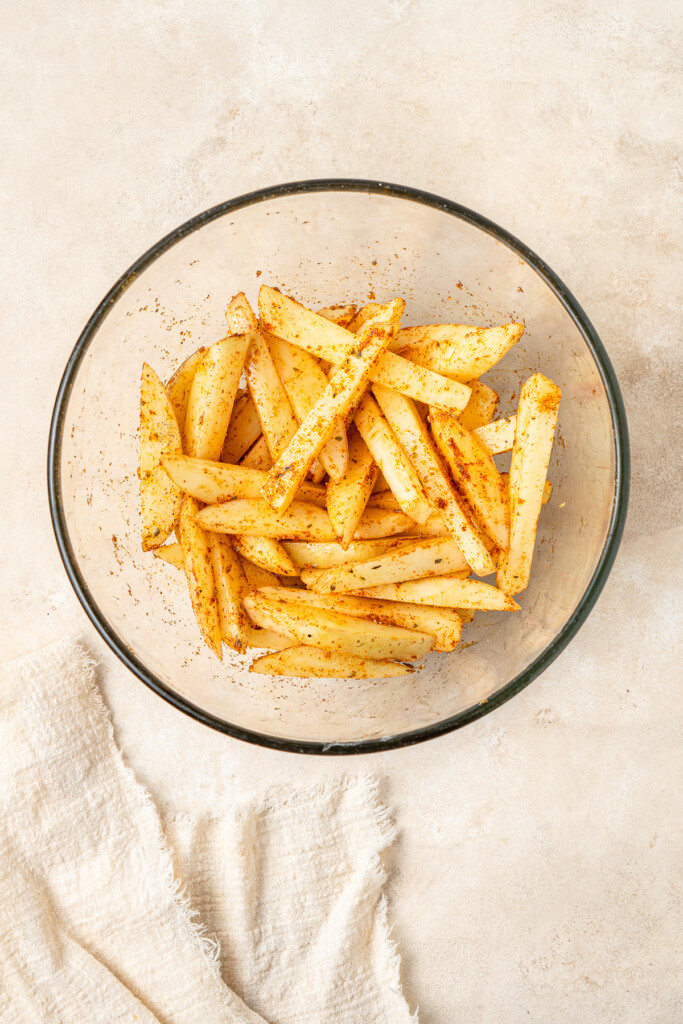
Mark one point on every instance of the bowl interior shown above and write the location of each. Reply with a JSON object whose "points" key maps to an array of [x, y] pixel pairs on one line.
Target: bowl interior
{"points": [[327, 247]]}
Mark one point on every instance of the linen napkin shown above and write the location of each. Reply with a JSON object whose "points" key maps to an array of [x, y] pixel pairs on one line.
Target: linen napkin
{"points": [[103, 917]]}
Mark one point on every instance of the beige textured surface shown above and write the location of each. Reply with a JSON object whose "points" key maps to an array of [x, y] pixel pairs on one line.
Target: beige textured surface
{"points": [[538, 874]]}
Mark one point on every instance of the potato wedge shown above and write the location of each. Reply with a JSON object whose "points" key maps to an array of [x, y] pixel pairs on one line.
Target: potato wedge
{"points": [[258, 456], [256, 576], [266, 552], [475, 474], [200, 575], [445, 591], [231, 584], [273, 409], [384, 499], [380, 484], [305, 662], [171, 553], [392, 460], [505, 477], [341, 394], [301, 521], [435, 526], [244, 429], [213, 482], [285, 317], [268, 394], [311, 555], [421, 384], [239, 315], [347, 498], [336, 631], [497, 436], [441, 623], [288, 319], [481, 407], [407, 425], [341, 315], [179, 386], [376, 523], [160, 498], [212, 396], [461, 352], [437, 556], [362, 316], [304, 383], [537, 413], [266, 639]]}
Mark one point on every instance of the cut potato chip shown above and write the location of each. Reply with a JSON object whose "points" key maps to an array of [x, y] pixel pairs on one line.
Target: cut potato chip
{"points": [[213, 482], [497, 436], [412, 561], [474, 471], [392, 460], [412, 433], [336, 631], [461, 352], [212, 396], [312, 555], [441, 623], [160, 498], [258, 456], [231, 584], [446, 591], [304, 383], [179, 386], [481, 407], [341, 394], [305, 662], [266, 552], [341, 315], [347, 498], [200, 575], [539, 402]]}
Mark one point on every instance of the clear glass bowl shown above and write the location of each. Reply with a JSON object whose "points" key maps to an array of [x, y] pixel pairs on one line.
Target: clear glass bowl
{"points": [[329, 242]]}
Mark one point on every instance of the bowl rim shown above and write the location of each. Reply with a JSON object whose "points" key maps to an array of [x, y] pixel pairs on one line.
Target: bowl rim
{"points": [[515, 685]]}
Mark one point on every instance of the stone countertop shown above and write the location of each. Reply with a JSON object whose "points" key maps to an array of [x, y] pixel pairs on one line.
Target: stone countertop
{"points": [[538, 868]]}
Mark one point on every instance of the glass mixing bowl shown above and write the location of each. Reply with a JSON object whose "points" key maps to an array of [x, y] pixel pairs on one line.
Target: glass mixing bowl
{"points": [[329, 242]]}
